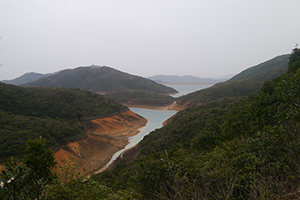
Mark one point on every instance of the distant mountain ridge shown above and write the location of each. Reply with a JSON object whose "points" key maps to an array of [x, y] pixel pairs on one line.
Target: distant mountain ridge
{"points": [[249, 81], [183, 79], [101, 80], [26, 78]]}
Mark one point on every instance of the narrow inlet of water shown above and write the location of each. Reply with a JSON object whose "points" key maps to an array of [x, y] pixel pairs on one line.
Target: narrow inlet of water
{"points": [[155, 119]]}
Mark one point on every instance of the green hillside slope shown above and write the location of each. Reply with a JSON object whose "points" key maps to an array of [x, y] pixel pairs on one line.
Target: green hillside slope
{"points": [[100, 80], [230, 89], [54, 113], [15, 130], [143, 98], [243, 84], [279, 62], [68, 104], [228, 149]]}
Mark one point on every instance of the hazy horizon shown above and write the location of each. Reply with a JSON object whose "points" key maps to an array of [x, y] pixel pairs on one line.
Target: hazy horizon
{"points": [[170, 75], [207, 39]]}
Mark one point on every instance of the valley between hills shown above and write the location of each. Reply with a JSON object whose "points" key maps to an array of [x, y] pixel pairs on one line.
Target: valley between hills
{"points": [[237, 139]]}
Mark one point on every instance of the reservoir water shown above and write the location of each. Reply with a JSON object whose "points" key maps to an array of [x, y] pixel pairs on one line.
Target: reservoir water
{"points": [[184, 89], [155, 117]]}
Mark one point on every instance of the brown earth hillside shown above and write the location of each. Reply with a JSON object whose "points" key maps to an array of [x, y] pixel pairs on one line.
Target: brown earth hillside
{"points": [[105, 137]]}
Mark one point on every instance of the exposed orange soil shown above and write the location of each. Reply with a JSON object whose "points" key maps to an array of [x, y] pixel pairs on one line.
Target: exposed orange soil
{"points": [[124, 124], [105, 137]]}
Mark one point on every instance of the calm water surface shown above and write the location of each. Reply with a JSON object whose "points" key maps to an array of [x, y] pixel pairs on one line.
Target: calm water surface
{"points": [[156, 117], [184, 89]]}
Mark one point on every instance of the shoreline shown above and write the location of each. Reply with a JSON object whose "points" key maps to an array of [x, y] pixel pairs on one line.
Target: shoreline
{"points": [[105, 137]]}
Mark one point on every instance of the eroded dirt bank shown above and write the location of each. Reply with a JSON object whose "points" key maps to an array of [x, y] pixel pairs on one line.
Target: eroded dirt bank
{"points": [[105, 137]]}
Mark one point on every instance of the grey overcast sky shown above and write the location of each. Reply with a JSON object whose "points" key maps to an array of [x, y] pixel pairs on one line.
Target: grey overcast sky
{"points": [[204, 38]]}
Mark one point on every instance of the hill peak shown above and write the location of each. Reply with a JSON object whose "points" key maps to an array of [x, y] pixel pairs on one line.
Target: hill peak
{"points": [[100, 79]]}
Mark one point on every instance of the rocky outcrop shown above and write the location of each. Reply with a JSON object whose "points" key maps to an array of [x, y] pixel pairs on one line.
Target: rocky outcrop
{"points": [[105, 137]]}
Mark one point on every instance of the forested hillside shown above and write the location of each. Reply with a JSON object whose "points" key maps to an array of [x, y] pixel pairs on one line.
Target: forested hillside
{"points": [[247, 148], [275, 66], [68, 104], [100, 80], [242, 84], [142, 98], [229, 89], [54, 113], [229, 148], [245, 83]]}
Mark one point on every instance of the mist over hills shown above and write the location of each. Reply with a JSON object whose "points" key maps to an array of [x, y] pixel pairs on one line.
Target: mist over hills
{"points": [[101, 80]]}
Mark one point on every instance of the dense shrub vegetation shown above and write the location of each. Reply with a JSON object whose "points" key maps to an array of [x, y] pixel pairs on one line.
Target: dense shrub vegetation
{"points": [[239, 148], [54, 113], [245, 148], [67, 104], [15, 130], [229, 89], [33, 178]]}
